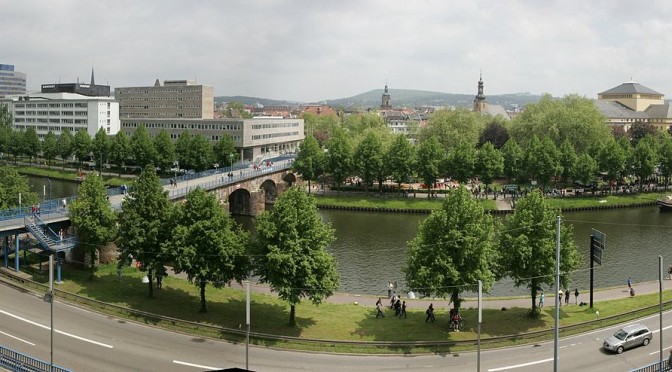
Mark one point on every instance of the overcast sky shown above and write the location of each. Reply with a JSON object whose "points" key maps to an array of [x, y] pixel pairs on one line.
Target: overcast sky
{"points": [[313, 50]]}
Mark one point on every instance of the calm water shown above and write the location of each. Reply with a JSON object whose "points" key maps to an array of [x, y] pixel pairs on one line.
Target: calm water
{"points": [[370, 248]]}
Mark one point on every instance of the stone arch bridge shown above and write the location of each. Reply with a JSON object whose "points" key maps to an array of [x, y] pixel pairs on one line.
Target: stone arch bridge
{"points": [[250, 196]]}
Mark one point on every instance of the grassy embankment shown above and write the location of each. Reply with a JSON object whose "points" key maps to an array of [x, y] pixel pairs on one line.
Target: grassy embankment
{"points": [[329, 321]]}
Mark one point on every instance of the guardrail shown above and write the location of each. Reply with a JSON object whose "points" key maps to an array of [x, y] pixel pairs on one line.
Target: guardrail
{"points": [[18, 362], [219, 332], [654, 367]]}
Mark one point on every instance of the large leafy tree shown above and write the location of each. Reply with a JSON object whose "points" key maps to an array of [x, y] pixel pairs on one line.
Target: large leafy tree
{"points": [[644, 159], [495, 133], [639, 130], [145, 224], [453, 127], [514, 159], [183, 150], [65, 145], [31, 144], [528, 246], [291, 251], [225, 151], [462, 162], [82, 146], [571, 118], [310, 160], [101, 147], [455, 247], [201, 153], [611, 159], [585, 169], [339, 157], [11, 185], [368, 159], [430, 157], [121, 150], [15, 144], [165, 150], [50, 147], [6, 122], [142, 147], [93, 218], [489, 163], [207, 244], [542, 160], [665, 161], [568, 159], [400, 158]]}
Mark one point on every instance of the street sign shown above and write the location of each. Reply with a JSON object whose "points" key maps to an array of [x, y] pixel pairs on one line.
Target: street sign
{"points": [[598, 241]]}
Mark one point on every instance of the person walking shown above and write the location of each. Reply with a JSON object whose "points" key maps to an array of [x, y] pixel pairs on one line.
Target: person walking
{"points": [[576, 295], [629, 282], [669, 361], [560, 293], [567, 294], [379, 307], [403, 310], [541, 300], [430, 313]]}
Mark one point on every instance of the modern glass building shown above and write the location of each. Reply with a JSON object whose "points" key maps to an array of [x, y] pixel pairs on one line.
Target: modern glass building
{"points": [[11, 82]]}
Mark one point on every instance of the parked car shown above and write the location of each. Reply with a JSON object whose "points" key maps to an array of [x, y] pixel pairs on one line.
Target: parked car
{"points": [[628, 337]]}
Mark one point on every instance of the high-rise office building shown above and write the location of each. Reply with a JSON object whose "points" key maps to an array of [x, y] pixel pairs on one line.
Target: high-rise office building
{"points": [[11, 82]]}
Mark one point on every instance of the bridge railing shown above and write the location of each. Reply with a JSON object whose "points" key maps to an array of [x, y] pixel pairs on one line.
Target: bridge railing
{"points": [[15, 361]]}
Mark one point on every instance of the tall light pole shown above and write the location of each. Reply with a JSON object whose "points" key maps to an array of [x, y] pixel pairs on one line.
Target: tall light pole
{"points": [[230, 163]]}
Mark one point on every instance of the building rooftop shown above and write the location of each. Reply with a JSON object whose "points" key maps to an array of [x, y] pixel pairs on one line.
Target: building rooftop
{"points": [[630, 88]]}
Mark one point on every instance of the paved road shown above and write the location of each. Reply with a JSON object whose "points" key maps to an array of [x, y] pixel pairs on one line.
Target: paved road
{"points": [[86, 341]]}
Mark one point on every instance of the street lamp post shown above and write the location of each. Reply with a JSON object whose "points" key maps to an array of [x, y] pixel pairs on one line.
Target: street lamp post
{"points": [[230, 162]]}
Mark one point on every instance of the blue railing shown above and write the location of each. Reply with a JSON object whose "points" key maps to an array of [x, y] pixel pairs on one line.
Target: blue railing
{"points": [[15, 361], [661, 366], [182, 187]]}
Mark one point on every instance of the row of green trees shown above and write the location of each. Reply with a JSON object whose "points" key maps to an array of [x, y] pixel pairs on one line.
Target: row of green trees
{"points": [[459, 244], [199, 238], [555, 139], [191, 151]]}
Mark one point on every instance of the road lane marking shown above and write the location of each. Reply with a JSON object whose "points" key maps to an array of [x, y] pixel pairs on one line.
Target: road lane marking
{"points": [[195, 365], [57, 331], [520, 365], [16, 338]]}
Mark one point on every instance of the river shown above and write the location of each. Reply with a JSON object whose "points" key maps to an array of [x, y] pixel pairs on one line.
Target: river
{"points": [[370, 248]]}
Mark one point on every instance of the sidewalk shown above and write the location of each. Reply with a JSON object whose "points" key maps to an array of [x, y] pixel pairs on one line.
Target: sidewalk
{"points": [[488, 303]]}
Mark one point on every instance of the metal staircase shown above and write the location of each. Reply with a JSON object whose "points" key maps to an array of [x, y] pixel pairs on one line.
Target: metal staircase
{"points": [[48, 239]]}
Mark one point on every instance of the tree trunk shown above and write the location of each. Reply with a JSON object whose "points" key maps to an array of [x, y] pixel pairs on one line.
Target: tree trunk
{"points": [[203, 307], [151, 282], [292, 315], [308, 187], [92, 259]]}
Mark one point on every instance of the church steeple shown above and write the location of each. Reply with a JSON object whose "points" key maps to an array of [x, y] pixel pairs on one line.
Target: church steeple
{"points": [[385, 101], [93, 81], [479, 101]]}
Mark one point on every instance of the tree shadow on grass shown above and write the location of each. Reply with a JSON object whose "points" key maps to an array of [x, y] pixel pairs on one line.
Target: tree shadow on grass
{"points": [[173, 302], [496, 323]]}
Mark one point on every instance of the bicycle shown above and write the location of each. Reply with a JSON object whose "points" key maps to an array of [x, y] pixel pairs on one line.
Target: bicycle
{"points": [[456, 326]]}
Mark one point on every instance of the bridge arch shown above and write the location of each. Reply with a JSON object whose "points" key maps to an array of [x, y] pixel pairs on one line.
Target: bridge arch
{"points": [[239, 202]]}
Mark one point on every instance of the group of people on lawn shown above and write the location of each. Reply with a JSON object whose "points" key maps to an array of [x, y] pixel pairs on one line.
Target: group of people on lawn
{"points": [[399, 308]]}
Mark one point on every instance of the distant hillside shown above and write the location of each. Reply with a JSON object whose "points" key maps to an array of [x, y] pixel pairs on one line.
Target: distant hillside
{"points": [[418, 98], [399, 98], [253, 101]]}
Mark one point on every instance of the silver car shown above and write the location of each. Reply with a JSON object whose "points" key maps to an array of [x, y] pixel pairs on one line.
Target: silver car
{"points": [[628, 337]]}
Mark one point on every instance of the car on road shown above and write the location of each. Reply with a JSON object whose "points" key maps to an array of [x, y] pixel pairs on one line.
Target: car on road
{"points": [[628, 337]]}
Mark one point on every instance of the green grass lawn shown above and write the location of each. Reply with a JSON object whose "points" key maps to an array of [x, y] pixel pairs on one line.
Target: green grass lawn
{"points": [[360, 200], [601, 201], [226, 308]]}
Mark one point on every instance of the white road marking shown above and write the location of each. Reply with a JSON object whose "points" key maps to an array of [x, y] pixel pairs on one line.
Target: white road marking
{"points": [[16, 338], [520, 365], [195, 365], [55, 330]]}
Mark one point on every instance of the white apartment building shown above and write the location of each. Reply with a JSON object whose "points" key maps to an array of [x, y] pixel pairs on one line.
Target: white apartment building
{"points": [[253, 138], [57, 111]]}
